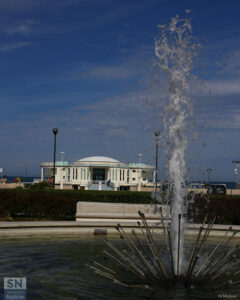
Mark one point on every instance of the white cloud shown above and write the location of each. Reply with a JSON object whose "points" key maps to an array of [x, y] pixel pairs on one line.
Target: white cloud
{"points": [[117, 116], [116, 72], [225, 87], [130, 66], [26, 5], [12, 46], [116, 132], [24, 27], [230, 64], [110, 127], [229, 120]]}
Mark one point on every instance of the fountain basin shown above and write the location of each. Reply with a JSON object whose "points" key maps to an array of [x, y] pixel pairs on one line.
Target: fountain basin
{"points": [[55, 269], [89, 227]]}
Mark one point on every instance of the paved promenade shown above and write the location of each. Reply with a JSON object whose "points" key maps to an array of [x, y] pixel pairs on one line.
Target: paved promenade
{"points": [[91, 228]]}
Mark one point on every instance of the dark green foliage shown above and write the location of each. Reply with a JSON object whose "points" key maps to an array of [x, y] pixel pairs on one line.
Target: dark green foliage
{"points": [[58, 205], [39, 186], [226, 208], [49, 204]]}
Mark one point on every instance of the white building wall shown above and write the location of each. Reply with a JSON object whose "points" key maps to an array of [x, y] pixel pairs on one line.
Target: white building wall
{"points": [[81, 175]]}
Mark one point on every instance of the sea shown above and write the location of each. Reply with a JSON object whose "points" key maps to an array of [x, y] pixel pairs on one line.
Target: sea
{"points": [[29, 179]]}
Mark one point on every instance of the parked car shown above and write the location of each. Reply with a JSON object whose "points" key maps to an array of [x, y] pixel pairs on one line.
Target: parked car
{"points": [[217, 189]]}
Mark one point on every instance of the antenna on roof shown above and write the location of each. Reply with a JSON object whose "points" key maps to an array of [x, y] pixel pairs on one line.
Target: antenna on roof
{"points": [[139, 158]]}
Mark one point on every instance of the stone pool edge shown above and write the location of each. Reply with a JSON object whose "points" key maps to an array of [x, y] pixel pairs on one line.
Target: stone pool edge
{"points": [[91, 228]]}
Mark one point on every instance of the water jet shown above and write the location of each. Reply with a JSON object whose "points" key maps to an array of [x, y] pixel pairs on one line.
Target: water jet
{"points": [[175, 50]]}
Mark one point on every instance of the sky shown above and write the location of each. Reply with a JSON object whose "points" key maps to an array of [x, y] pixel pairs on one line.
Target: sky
{"points": [[85, 67]]}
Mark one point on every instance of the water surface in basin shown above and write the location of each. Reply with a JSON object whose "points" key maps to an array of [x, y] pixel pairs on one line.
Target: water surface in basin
{"points": [[55, 269]]}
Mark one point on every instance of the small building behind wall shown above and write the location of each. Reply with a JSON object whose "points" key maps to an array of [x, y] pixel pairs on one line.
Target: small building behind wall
{"points": [[100, 173]]}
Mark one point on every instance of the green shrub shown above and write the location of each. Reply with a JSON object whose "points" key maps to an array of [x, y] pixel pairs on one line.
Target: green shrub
{"points": [[58, 204], [40, 185], [61, 204], [226, 208]]}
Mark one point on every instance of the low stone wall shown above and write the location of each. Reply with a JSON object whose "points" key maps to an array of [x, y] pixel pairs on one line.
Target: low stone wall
{"points": [[111, 211], [70, 229], [7, 185], [142, 189], [233, 192], [65, 187]]}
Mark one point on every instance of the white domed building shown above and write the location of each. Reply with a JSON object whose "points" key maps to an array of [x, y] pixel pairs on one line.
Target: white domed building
{"points": [[100, 173]]}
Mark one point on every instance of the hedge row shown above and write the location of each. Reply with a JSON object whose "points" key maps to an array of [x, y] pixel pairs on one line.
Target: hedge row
{"points": [[58, 205], [61, 205], [225, 208]]}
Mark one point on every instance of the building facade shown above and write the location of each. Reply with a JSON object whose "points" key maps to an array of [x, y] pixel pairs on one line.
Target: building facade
{"points": [[99, 173]]}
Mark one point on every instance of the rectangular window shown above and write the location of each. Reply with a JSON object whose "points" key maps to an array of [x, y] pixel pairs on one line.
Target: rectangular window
{"points": [[113, 174], [116, 175], [87, 173], [84, 172], [134, 171], [123, 174], [73, 173], [76, 173], [81, 174], [120, 175]]}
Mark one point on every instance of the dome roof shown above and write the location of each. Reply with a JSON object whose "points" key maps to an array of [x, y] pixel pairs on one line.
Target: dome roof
{"points": [[99, 159]]}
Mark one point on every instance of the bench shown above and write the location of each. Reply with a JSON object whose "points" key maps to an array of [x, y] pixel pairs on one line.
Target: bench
{"points": [[99, 211]]}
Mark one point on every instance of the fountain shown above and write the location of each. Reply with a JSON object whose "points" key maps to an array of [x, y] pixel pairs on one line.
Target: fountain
{"points": [[150, 267], [175, 50]]}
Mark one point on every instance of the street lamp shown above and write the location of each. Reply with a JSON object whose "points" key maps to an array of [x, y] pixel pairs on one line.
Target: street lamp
{"points": [[157, 134], [209, 171], [236, 167], [55, 131], [62, 169]]}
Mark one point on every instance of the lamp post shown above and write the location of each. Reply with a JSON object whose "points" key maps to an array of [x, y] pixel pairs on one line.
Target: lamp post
{"points": [[61, 183], [236, 167], [55, 131], [209, 171], [157, 134]]}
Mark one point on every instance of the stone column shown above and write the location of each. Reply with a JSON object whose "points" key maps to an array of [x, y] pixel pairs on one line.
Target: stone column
{"points": [[61, 179], [139, 180], [154, 176]]}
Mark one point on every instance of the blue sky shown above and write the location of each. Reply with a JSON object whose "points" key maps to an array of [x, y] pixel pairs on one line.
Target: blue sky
{"points": [[84, 66]]}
